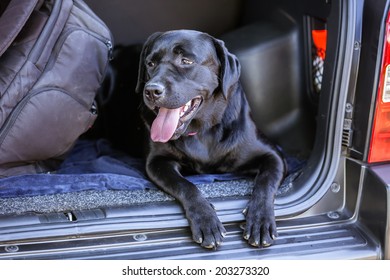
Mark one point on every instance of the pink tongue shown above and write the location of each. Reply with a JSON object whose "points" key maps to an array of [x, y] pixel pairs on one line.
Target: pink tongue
{"points": [[165, 124]]}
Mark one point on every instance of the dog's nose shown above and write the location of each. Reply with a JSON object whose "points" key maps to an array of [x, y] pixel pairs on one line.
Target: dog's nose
{"points": [[154, 91]]}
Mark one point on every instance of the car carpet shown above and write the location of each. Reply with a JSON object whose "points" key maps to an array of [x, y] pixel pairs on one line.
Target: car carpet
{"points": [[95, 175]]}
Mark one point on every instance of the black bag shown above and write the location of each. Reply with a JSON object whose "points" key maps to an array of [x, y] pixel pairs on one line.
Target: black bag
{"points": [[53, 56]]}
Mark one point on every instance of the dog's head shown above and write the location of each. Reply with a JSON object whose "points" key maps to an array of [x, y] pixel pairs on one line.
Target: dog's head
{"points": [[179, 72]]}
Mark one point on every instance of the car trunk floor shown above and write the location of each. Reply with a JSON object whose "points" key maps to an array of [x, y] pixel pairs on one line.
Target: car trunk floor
{"points": [[95, 175]]}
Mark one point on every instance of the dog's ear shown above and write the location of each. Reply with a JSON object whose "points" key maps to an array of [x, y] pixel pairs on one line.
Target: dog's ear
{"points": [[230, 67], [141, 69]]}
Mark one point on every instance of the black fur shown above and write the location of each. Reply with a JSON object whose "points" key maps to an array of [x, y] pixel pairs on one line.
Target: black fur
{"points": [[220, 136]]}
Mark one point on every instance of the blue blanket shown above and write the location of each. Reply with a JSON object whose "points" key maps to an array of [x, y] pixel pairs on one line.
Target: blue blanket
{"points": [[95, 165]]}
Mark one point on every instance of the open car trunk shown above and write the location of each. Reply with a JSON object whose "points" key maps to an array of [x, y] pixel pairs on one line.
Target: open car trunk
{"points": [[100, 204]]}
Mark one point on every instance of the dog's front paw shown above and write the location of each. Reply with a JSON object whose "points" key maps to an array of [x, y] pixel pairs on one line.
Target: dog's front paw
{"points": [[207, 230], [260, 228]]}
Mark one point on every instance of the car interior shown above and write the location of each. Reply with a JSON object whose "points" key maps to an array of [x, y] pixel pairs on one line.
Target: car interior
{"points": [[287, 50]]}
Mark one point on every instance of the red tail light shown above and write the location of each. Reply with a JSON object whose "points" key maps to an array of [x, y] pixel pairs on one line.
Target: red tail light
{"points": [[380, 138]]}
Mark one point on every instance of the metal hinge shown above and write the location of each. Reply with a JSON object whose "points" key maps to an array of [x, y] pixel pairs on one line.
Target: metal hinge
{"points": [[347, 133], [347, 126]]}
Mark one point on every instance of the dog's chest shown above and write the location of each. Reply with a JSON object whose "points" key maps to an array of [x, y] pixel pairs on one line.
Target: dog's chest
{"points": [[207, 156]]}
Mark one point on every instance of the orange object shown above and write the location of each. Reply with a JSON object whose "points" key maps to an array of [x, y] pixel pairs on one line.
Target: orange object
{"points": [[319, 39]]}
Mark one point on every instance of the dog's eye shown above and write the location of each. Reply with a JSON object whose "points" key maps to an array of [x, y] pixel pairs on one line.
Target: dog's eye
{"points": [[151, 64], [186, 61]]}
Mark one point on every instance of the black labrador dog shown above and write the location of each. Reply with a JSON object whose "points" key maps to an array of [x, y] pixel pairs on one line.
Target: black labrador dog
{"points": [[199, 122]]}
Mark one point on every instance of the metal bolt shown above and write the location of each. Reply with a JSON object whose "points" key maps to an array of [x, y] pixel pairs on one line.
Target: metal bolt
{"points": [[348, 107], [357, 45], [140, 237], [335, 187], [11, 248], [333, 215]]}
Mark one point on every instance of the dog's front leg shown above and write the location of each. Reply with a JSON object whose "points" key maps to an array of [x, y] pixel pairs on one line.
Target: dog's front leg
{"points": [[260, 229], [206, 228]]}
